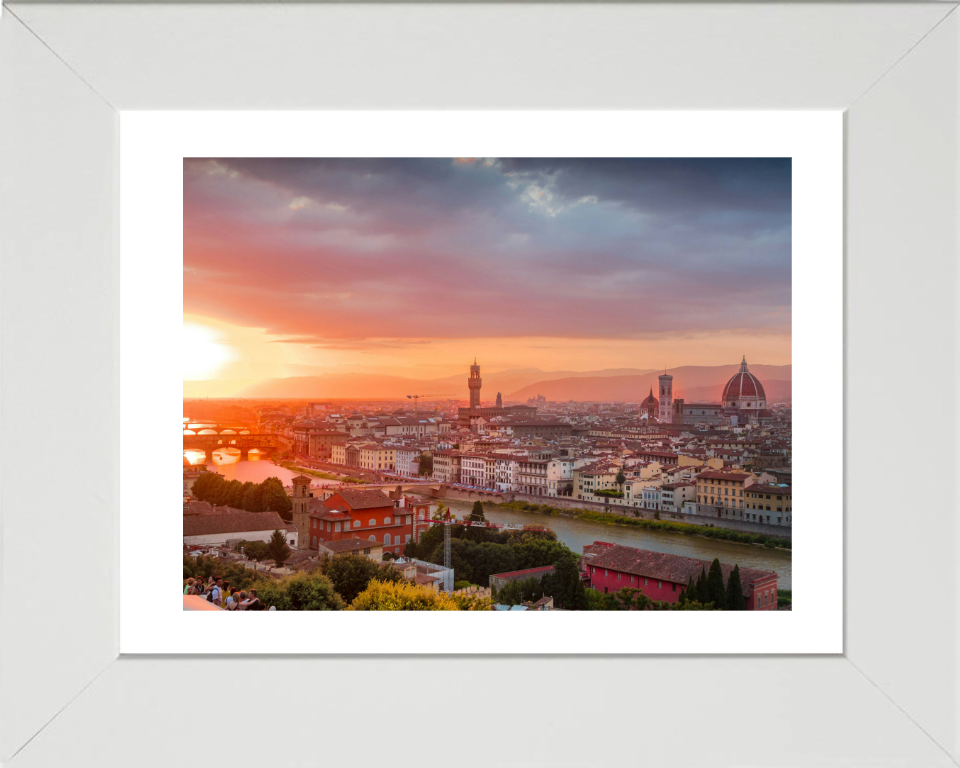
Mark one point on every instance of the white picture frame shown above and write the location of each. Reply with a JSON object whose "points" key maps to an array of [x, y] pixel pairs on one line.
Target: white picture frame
{"points": [[66, 71], [152, 148]]}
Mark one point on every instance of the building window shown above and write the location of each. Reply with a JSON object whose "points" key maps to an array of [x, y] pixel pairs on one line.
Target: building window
{"points": [[313, 541], [386, 540], [758, 600], [604, 573], [337, 528], [386, 521], [371, 521], [644, 581], [659, 584], [618, 576], [373, 538], [673, 587]]}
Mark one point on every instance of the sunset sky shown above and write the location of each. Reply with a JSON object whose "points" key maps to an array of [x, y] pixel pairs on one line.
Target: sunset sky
{"points": [[412, 267]]}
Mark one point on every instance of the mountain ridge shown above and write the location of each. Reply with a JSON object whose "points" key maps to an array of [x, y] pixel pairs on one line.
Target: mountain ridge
{"points": [[702, 383]]}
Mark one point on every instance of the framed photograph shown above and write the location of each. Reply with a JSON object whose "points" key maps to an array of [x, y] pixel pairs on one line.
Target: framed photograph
{"points": [[609, 269], [526, 266]]}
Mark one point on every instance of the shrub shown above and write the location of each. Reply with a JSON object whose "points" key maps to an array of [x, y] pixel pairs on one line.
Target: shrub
{"points": [[381, 596]]}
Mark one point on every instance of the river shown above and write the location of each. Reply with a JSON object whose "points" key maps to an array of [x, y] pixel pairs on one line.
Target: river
{"points": [[572, 531], [575, 533], [227, 463]]}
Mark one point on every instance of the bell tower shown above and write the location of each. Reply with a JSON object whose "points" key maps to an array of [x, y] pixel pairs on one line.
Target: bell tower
{"points": [[666, 398], [474, 383], [301, 510]]}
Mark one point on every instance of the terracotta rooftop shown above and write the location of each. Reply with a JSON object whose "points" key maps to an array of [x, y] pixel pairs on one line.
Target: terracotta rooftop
{"points": [[762, 488], [348, 545], [661, 565], [724, 475], [359, 500], [232, 522]]}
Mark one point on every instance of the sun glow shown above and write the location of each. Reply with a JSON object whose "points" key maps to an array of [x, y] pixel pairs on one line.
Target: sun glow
{"points": [[203, 353]]}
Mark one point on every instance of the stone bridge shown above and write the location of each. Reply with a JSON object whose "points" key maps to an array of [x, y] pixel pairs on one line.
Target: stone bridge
{"points": [[200, 426], [210, 443]]}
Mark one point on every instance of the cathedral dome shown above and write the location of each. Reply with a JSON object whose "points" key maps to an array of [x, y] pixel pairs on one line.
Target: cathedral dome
{"points": [[650, 400], [744, 390]]}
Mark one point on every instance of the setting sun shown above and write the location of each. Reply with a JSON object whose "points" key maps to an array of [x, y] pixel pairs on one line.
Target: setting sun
{"points": [[203, 354]]}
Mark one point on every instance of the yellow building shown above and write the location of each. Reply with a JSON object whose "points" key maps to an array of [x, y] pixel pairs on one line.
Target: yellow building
{"points": [[774, 501], [377, 457], [723, 489]]}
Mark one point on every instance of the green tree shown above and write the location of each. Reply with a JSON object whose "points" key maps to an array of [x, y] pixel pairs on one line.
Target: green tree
{"points": [[277, 549], [253, 498], [211, 487], [716, 590], [735, 599], [429, 539], [350, 574], [703, 593], [235, 494], [425, 464], [301, 592], [689, 593], [521, 591], [476, 516], [255, 550], [621, 478], [568, 585], [275, 498]]}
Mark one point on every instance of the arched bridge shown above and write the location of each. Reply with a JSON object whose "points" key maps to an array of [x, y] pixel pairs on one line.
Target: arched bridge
{"points": [[192, 428], [210, 443]]}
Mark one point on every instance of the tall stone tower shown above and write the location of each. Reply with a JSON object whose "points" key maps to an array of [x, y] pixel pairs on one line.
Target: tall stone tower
{"points": [[499, 400], [474, 383], [666, 398], [301, 510]]}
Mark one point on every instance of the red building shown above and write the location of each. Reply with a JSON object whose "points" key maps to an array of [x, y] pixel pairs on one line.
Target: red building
{"points": [[661, 576], [362, 515]]}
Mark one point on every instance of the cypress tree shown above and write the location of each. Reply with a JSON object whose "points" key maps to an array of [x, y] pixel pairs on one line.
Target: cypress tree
{"points": [[703, 595], [735, 599], [689, 593], [715, 588]]}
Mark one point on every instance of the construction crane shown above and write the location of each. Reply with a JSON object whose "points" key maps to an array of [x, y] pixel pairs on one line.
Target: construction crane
{"points": [[448, 522], [416, 399]]}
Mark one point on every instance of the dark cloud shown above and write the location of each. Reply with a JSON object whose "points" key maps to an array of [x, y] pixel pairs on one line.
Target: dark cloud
{"points": [[341, 249]]}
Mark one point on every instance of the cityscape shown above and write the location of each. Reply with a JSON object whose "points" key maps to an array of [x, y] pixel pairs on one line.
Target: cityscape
{"points": [[487, 384]]}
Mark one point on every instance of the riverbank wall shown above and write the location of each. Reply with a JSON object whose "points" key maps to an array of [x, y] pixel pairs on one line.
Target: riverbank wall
{"points": [[566, 503], [323, 466]]}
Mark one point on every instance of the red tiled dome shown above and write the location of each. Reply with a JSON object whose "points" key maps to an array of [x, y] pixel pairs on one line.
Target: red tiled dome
{"points": [[743, 385], [650, 399]]}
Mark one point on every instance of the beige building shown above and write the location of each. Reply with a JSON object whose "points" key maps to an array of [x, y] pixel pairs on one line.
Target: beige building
{"points": [[769, 504], [378, 457], [723, 489]]}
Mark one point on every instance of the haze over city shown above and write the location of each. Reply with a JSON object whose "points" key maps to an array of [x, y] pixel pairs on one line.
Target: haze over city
{"points": [[371, 273]]}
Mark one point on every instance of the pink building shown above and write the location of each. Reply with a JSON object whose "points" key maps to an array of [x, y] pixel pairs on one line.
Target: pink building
{"points": [[661, 576]]}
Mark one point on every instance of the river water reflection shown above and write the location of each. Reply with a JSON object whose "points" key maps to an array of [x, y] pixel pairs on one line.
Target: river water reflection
{"points": [[227, 463], [575, 533]]}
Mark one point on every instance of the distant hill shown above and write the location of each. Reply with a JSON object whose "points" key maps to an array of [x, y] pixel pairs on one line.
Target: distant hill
{"points": [[777, 392], [366, 386], [691, 382]]}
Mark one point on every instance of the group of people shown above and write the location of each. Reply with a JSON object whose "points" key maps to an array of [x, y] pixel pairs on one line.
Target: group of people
{"points": [[219, 592]]}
